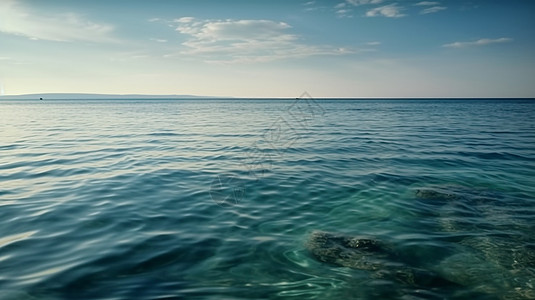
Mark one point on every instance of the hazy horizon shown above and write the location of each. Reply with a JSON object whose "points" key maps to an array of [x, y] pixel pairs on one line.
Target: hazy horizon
{"points": [[265, 49], [305, 95]]}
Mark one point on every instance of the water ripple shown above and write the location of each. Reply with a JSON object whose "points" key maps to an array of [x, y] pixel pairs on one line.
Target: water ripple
{"points": [[124, 199]]}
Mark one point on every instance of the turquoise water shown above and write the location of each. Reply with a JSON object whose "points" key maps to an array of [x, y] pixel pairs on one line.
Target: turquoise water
{"points": [[219, 199]]}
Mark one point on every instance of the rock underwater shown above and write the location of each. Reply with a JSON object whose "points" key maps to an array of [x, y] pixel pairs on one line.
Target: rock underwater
{"points": [[495, 255], [369, 254], [354, 252]]}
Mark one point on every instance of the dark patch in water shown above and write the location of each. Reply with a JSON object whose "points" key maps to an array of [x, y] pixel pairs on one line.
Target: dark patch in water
{"points": [[369, 254]]}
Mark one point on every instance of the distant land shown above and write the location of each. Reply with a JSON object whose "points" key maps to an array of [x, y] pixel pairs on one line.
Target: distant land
{"points": [[89, 96], [84, 96]]}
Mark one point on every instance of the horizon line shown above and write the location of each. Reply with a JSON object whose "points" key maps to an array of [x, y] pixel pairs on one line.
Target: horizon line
{"points": [[102, 96]]}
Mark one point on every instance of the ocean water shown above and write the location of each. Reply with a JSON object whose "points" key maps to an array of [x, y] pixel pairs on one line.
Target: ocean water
{"points": [[267, 199]]}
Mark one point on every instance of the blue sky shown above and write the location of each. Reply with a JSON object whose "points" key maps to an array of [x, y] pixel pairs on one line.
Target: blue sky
{"points": [[276, 48]]}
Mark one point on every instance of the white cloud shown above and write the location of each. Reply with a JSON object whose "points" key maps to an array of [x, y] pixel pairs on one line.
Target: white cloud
{"points": [[159, 40], [427, 3], [389, 11], [19, 20], [231, 41], [312, 6], [431, 10], [343, 9], [480, 42], [344, 13], [228, 30], [373, 43], [185, 20], [362, 2]]}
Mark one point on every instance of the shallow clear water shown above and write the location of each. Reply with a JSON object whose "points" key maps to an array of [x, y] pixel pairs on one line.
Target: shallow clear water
{"points": [[218, 199]]}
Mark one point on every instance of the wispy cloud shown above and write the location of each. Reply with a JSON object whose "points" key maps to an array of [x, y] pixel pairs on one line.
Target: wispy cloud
{"points": [[313, 6], [389, 11], [374, 43], [480, 42], [431, 10], [434, 7], [363, 2], [342, 10], [159, 40], [427, 3], [19, 20], [344, 13], [129, 56], [236, 41]]}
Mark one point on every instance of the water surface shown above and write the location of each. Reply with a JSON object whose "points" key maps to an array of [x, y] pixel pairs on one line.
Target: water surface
{"points": [[216, 199]]}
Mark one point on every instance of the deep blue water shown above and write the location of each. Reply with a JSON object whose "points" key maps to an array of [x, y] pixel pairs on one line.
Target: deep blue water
{"points": [[219, 199]]}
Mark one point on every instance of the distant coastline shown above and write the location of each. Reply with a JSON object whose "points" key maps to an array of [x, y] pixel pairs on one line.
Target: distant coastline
{"points": [[89, 96]]}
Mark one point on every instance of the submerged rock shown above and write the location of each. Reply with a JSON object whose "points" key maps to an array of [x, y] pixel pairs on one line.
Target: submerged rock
{"points": [[358, 252], [444, 194], [436, 193], [495, 255], [369, 254], [458, 208]]}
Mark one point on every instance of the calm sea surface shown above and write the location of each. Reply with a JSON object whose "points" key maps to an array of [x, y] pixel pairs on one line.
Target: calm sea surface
{"points": [[267, 199]]}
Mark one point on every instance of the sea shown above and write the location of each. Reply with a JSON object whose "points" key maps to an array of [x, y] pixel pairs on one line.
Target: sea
{"points": [[299, 198]]}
